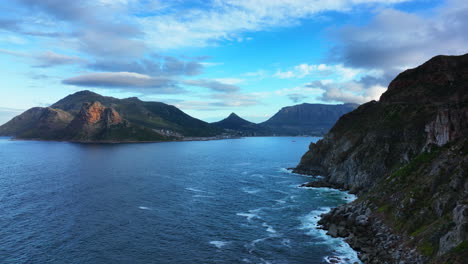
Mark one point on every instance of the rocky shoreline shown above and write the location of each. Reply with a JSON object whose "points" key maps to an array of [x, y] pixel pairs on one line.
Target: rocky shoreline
{"points": [[365, 231]]}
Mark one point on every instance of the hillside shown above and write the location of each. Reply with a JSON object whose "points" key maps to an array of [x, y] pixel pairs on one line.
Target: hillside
{"points": [[87, 116], [406, 156], [306, 119], [239, 126]]}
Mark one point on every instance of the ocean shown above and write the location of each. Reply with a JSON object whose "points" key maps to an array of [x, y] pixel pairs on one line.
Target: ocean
{"points": [[223, 201]]}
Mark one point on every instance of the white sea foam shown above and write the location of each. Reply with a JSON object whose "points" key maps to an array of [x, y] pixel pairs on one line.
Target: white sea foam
{"points": [[286, 242], [143, 208], [269, 229], [251, 214], [258, 175], [284, 170], [250, 190], [218, 243], [344, 253], [280, 201], [202, 196], [193, 189]]}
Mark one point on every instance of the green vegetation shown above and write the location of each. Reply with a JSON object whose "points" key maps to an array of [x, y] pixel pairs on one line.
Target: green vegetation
{"points": [[463, 246], [427, 249]]}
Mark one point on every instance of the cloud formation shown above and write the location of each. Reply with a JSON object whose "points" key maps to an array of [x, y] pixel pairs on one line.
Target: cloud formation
{"points": [[135, 81], [296, 97], [50, 58], [154, 65], [97, 27], [347, 92], [228, 20], [396, 40], [214, 85]]}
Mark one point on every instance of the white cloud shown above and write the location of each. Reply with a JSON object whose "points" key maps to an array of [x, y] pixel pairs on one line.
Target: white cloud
{"points": [[227, 20], [348, 92], [323, 71], [50, 58], [131, 80], [213, 84], [396, 40]]}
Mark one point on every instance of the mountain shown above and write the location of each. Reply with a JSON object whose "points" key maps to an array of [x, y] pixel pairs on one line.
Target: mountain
{"points": [[240, 126], [306, 119], [88, 116], [407, 158]]}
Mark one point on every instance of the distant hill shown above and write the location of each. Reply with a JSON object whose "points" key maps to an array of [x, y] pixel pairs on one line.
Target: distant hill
{"points": [[88, 116], [306, 119], [303, 119], [239, 126]]}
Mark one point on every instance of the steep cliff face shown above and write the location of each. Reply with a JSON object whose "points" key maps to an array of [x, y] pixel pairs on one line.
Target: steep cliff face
{"points": [[379, 137], [95, 122], [406, 156]]}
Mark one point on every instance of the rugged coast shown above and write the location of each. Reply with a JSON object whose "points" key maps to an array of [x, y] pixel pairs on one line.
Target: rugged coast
{"points": [[406, 156]]}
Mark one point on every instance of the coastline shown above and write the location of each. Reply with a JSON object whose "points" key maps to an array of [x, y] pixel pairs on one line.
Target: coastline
{"points": [[362, 227], [136, 141], [123, 141]]}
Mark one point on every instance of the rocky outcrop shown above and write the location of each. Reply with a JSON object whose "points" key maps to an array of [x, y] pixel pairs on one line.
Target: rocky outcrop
{"points": [[406, 157], [448, 125], [92, 120]]}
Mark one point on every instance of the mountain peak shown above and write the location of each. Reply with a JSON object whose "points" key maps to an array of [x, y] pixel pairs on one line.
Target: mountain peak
{"points": [[440, 79], [233, 115]]}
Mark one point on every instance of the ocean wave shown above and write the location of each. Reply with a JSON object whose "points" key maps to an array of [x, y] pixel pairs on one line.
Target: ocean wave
{"points": [[269, 228], [344, 253], [202, 196], [194, 190], [252, 214], [144, 208], [250, 190], [219, 243], [286, 242]]}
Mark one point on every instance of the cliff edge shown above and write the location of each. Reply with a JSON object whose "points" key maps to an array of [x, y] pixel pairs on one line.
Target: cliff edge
{"points": [[406, 157]]}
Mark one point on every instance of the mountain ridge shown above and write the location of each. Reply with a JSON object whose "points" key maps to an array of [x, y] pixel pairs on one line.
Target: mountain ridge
{"points": [[86, 116], [406, 156]]}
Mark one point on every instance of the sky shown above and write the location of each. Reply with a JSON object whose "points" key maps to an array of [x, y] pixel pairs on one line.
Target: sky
{"points": [[214, 57]]}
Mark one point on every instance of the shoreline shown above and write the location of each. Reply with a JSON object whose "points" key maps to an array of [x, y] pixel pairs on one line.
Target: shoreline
{"points": [[187, 139], [360, 225]]}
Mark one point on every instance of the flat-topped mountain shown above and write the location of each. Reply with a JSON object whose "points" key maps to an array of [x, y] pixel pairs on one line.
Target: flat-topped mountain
{"points": [[306, 119], [296, 120], [88, 116], [406, 155]]}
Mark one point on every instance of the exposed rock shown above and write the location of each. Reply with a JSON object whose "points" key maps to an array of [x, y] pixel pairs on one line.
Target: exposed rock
{"points": [[407, 158], [88, 116]]}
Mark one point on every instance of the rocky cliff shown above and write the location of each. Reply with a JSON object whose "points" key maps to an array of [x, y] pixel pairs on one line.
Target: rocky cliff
{"points": [[406, 156]]}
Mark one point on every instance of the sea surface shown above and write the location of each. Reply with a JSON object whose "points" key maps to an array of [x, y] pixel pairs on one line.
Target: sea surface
{"points": [[225, 201]]}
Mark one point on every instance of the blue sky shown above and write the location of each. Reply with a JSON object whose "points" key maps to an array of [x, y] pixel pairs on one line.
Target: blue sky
{"points": [[211, 58]]}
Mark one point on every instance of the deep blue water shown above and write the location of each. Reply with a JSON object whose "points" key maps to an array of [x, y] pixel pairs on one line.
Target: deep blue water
{"points": [[226, 201]]}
